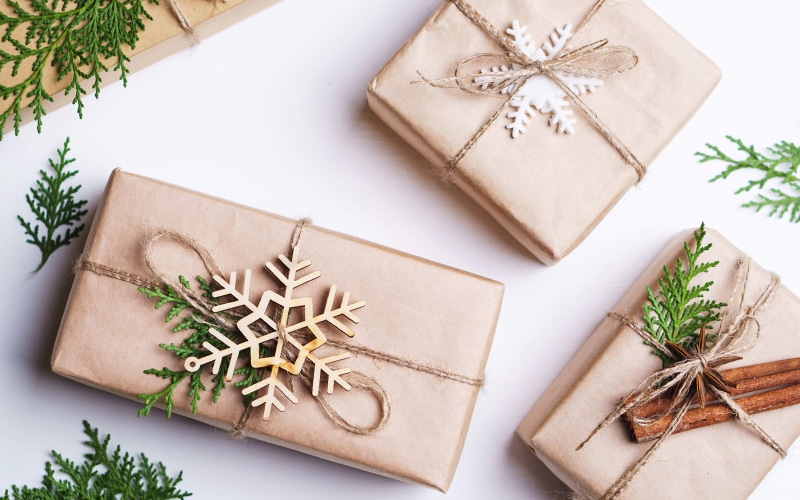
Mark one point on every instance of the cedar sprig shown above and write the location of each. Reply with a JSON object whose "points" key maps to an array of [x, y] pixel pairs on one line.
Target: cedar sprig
{"points": [[79, 38], [55, 207], [678, 312], [103, 474], [197, 324], [778, 168]]}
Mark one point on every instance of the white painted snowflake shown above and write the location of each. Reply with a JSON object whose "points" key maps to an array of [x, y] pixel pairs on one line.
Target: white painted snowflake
{"points": [[539, 91], [258, 327]]}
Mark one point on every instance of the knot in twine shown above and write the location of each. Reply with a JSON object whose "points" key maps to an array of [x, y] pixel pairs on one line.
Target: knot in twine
{"points": [[692, 374], [228, 322], [596, 59]]}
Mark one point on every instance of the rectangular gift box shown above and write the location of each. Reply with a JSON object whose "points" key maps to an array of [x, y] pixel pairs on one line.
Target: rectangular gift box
{"points": [[719, 461], [429, 327], [548, 189], [162, 36]]}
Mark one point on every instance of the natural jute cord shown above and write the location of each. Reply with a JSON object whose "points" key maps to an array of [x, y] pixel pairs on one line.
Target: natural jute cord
{"points": [[357, 380], [741, 335], [576, 62]]}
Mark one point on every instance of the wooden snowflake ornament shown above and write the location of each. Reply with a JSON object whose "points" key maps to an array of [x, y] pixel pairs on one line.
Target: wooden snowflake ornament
{"points": [[270, 320]]}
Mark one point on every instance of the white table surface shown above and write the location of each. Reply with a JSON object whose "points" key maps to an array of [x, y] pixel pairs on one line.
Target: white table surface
{"points": [[272, 113]]}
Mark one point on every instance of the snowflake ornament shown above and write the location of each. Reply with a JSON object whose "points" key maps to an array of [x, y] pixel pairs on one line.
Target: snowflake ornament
{"points": [[538, 92], [259, 327]]}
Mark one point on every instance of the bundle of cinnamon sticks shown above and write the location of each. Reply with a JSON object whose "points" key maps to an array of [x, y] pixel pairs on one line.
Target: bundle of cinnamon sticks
{"points": [[758, 388]]}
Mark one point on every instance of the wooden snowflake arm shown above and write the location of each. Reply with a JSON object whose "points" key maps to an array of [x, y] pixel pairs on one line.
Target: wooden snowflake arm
{"points": [[269, 399], [290, 280], [229, 288], [193, 363], [345, 309], [334, 376]]}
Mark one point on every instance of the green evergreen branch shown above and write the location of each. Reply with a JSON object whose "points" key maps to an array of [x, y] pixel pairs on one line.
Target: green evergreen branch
{"points": [[54, 206], [779, 166], [102, 475], [197, 324], [678, 312], [79, 38]]}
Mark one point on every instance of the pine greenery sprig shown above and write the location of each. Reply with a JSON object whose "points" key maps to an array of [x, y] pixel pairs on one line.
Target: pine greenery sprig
{"points": [[79, 38], [103, 474], [198, 324], [780, 166], [55, 207], [678, 312]]}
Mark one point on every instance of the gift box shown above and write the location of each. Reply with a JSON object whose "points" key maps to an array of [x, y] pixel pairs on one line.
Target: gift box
{"points": [[718, 461], [422, 331], [175, 24], [549, 188]]}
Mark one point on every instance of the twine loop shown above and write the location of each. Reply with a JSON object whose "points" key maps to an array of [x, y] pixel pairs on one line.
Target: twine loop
{"points": [[596, 59], [358, 381], [693, 373]]}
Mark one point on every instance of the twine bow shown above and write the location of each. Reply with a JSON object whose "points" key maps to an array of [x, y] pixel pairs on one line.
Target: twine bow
{"points": [[693, 374], [596, 59]]}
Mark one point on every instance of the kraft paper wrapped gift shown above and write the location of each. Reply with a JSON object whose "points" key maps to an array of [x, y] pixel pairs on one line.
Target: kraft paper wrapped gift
{"points": [[429, 327], [719, 461], [548, 189], [162, 36]]}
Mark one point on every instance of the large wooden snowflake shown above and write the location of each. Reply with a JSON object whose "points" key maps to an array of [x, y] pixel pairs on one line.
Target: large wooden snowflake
{"points": [[258, 327]]}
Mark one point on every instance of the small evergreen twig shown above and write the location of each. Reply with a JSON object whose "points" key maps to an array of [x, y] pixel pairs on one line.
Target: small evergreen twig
{"points": [[80, 39], [198, 324], [103, 474], [679, 311], [780, 166], [54, 206]]}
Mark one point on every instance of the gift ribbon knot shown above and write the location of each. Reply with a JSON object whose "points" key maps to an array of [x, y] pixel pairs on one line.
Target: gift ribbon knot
{"points": [[693, 373], [596, 59]]}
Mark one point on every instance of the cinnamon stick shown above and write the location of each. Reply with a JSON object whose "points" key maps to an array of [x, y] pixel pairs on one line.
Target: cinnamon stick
{"points": [[783, 375]]}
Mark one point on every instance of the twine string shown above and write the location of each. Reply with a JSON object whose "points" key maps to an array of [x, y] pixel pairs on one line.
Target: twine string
{"points": [[357, 380], [595, 59], [741, 335], [183, 20]]}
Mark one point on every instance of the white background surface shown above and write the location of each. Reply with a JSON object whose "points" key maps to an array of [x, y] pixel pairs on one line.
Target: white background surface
{"points": [[272, 113]]}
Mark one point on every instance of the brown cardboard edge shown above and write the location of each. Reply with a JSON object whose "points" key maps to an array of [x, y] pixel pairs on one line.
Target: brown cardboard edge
{"points": [[99, 214], [582, 362], [465, 425], [442, 484], [711, 66], [544, 253], [390, 117], [152, 55]]}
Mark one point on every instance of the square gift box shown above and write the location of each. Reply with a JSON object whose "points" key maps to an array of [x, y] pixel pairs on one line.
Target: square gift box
{"points": [[423, 337], [547, 188], [175, 25], [718, 461]]}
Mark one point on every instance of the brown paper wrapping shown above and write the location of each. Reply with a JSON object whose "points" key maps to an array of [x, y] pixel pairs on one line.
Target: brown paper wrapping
{"points": [[549, 190], [415, 309], [720, 461], [161, 37]]}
